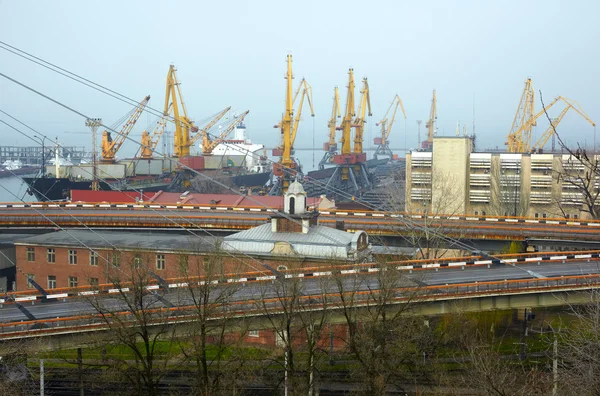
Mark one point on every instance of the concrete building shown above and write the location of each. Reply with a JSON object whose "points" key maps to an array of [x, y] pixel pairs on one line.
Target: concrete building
{"points": [[452, 179]]}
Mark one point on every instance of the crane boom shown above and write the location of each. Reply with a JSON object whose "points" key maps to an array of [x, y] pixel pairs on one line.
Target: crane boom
{"points": [[571, 105], [203, 133], [430, 125], [183, 125], [306, 90], [385, 127], [150, 141], [335, 113], [359, 122], [110, 146], [212, 143]]}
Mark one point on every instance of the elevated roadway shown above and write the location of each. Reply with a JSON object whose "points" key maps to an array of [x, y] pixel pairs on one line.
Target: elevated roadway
{"points": [[516, 281], [231, 219]]}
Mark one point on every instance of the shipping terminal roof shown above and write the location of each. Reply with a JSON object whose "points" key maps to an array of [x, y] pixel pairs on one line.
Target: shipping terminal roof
{"points": [[162, 197]]}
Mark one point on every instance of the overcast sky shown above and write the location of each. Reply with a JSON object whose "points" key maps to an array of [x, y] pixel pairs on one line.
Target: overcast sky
{"points": [[232, 53]]}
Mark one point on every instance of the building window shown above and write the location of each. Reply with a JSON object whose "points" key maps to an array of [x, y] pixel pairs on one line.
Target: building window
{"points": [[137, 262], [30, 254], [483, 213], [537, 215], [253, 333], [30, 277], [567, 216], [51, 281], [116, 259], [72, 256], [50, 255], [476, 213], [575, 216], [94, 281], [93, 258], [160, 261], [544, 215], [72, 281], [281, 268]]}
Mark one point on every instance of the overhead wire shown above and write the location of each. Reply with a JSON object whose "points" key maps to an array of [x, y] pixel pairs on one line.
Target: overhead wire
{"points": [[113, 93], [166, 218]]}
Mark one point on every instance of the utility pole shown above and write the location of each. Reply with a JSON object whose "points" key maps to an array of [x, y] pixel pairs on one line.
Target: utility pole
{"points": [[94, 124], [419, 133], [555, 366], [41, 377]]}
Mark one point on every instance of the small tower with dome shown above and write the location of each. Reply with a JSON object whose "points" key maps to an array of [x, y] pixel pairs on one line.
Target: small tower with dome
{"points": [[294, 212]]}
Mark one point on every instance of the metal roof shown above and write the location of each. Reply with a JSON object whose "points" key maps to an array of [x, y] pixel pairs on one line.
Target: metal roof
{"points": [[317, 235], [122, 240], [320, 242]]}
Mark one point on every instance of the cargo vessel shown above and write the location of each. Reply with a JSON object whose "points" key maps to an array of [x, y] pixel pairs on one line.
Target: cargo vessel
{"points": [[236, 163]]}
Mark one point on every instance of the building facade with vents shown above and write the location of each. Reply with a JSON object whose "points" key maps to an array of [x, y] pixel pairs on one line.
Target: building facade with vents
{"points": [[451, 179]]}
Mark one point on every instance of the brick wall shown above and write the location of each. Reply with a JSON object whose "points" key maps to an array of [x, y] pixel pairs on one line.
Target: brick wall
{"points": [[103, 273]]}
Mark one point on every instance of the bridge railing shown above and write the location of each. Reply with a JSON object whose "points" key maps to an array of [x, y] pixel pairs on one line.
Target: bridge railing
{"points": [[249, 307]]}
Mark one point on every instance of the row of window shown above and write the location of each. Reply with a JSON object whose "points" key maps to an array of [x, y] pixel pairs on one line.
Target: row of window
{"points": [[72, 281], [116, 258]]}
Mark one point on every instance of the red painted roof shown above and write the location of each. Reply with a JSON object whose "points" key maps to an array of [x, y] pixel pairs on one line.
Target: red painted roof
{"points": [[108, 196], [161, 197]]}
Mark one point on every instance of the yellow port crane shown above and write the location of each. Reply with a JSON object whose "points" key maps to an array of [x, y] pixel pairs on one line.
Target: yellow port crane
{"points": [[286, 168], [183, 124], [208, 144], [330, 147], [521, 141], [150, 141], [382, 142], [430, 125], [519, 137], [110, 146], [571, 105]]}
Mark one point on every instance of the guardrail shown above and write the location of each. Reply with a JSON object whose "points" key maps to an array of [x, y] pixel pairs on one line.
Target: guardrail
{"points": [[326, 212], [248, 308], [313, 272]]}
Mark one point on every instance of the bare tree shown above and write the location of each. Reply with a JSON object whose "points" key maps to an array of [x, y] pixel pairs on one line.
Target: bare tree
{"points": [[483, 366], [299, 322], [390, 342], [579, 176], [215, 339], [579, 349], [139, 344]]}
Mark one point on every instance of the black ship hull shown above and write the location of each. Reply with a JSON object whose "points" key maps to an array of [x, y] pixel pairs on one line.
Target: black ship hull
{"points": [[59, 189]]}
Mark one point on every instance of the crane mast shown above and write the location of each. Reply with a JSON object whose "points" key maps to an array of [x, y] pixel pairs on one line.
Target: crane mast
{"points": [[286, 168], [348, 115], [110, 146], [386, 128], [430, 125], [183, 124], [519, 137]]}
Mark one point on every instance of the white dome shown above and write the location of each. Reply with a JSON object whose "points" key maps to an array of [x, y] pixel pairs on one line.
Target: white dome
{"points": [[296, 188]]}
